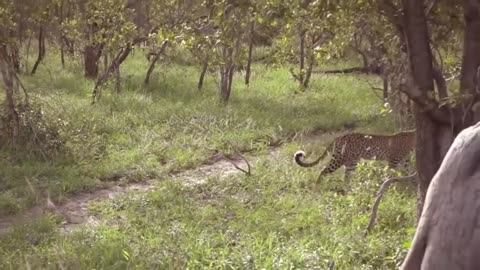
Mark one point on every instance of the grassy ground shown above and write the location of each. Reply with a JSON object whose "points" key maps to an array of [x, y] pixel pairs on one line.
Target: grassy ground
{"points": [[169, 126], [272, 220]]}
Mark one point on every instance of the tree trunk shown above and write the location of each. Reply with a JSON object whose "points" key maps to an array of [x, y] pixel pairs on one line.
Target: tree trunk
{"points": [[41, 49], [202, 74], [116, 62], [385, 83], [154, 60], [70, 45], [62, 54], [226, 75], [91, 56], [27, 56], [428, 157], [302, 56], [308, 73], [62, 44], [118, 85], [105, 61], [250, 52], [7, 71]]}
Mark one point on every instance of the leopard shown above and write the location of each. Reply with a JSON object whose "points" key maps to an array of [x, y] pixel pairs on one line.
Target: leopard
{"points": [[347, 150]]}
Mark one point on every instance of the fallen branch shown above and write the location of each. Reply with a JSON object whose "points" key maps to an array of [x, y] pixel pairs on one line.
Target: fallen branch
{"points": [[248, 171], [383, 189]]}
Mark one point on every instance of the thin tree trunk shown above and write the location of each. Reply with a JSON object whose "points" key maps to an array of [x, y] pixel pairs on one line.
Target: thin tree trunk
{"points": [[385, 83], [70, 45], [226, 74], [116, 62], [62, 54], [62, 44], [250, 52], [231, 71], [67, 42], [118, 85], [105, 61], [27, 56], [202, 74], [154, 60], [41, 49], [302, 56], [308, 73], [7, 71]]}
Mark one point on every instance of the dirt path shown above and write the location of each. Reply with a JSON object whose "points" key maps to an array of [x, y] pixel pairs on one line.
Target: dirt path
{"points": [[75, 209]]}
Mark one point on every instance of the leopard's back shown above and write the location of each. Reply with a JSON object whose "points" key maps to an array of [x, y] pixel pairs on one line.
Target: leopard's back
{"points": [[349, 149]]}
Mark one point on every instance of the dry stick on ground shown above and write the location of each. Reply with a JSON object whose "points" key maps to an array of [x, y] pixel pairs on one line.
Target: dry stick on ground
{"points": [[383, 189], [248, 171]]}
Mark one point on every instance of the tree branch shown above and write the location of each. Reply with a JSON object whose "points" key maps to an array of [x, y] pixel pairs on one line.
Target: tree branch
{"points": [[429, 7], [248, 171], [381, 192], [154, 60], [116, 62], [439, 114]]}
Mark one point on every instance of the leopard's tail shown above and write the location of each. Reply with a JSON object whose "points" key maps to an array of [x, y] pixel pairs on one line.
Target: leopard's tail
{"points": [[299, 155]]}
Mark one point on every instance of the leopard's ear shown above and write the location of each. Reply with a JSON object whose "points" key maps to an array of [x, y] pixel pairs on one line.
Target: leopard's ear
{"points": [[299, 154]]}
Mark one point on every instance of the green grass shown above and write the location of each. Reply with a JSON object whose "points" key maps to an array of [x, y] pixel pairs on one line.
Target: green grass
{"points": [[168, 126], [271, 220]]}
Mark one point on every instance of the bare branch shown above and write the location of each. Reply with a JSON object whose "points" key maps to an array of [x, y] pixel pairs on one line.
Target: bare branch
{"points": [[381, 192], [248, 171], [429, 7], [374, 88], [439, 114]]}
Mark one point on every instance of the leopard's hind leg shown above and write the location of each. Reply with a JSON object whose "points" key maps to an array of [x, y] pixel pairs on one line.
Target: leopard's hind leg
{"points": [[334, 164]]}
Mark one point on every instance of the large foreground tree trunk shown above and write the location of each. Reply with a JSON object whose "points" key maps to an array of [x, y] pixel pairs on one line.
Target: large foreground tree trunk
{"points": [[429, 137], [434, 127]]}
